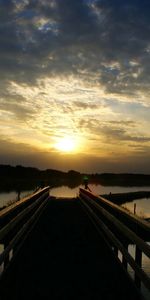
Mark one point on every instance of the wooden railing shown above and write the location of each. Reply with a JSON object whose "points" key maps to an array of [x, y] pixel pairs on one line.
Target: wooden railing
{"points": [[117, 234], [17, 221], [136, 224]]}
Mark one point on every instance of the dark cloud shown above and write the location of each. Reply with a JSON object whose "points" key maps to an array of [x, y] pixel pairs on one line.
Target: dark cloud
{"points": [[84, 105], [120, 134], [123, 123], [39, 38], [113, 131], [20, 112]]}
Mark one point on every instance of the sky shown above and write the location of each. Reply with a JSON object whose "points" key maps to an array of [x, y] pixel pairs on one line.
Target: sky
{"points": [[75, 85]]}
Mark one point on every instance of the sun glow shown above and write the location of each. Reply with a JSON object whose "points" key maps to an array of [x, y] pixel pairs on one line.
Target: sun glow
{"points": [[66, 144]]}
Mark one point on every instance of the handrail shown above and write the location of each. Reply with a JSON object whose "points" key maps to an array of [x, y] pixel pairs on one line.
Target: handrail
{"points": [[19, 225], [116, 208], [128, 233], [124, 234], [13, 242], [115, 241], [9, 226], [21, 202]]}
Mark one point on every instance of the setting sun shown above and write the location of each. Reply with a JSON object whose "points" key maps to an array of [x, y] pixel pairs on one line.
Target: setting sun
{"points": [[66, 144]]}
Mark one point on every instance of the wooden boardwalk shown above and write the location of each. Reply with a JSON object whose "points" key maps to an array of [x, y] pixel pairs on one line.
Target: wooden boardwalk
{"points": [[64, 257]]}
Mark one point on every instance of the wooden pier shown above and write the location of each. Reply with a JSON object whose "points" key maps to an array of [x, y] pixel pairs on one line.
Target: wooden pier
{"points": [[120, 198], [57, 248]]}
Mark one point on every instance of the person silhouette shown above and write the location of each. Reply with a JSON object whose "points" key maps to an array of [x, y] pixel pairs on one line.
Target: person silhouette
{"points": [[86, 181]]}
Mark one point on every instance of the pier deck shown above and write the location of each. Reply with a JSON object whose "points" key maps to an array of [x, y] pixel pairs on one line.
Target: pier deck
{"points": [[65, 258]]}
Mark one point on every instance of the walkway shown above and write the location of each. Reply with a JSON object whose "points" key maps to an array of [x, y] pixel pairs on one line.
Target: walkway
{"points": [[64, 258]]}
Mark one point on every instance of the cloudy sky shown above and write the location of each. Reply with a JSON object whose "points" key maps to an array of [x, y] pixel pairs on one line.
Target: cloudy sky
{"points": [[75, 84]]}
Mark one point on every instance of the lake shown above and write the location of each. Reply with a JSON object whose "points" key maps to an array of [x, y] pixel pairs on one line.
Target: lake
{"points": [[6, 198]]}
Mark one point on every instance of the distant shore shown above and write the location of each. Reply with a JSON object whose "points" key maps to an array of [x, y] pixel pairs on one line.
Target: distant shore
{"points": [[20, 177]]}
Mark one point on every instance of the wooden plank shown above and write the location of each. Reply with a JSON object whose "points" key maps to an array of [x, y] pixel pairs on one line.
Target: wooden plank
{"points": [[71, 246]]}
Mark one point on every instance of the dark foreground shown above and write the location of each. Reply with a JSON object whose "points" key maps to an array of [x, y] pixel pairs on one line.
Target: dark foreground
{"points": [[65, 258]]}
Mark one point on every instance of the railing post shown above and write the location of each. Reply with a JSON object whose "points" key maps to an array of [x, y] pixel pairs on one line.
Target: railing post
{"points": [[138, 260], [124, 261], [6, 260]]}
